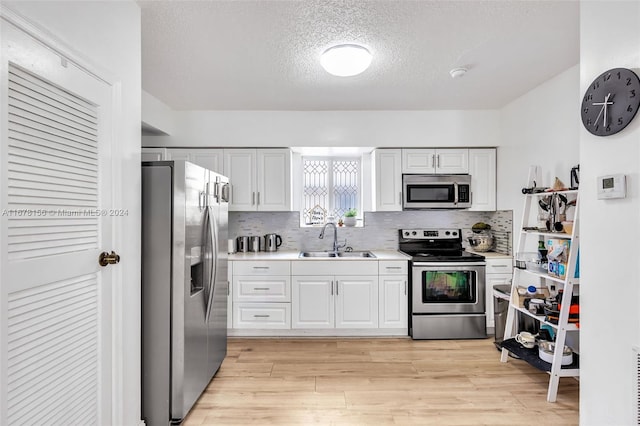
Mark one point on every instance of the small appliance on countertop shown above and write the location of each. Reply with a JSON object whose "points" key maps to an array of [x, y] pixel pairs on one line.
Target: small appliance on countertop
{"points": [[272, 242]]}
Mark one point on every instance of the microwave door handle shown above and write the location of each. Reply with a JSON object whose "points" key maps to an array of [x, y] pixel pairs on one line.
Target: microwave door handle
{"points": [[455, 193]]}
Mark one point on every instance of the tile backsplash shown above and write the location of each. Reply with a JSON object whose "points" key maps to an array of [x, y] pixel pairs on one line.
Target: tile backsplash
{"points": [[379, 233]]}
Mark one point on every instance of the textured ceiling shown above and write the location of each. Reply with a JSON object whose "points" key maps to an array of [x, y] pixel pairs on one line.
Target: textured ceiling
{"points": [[264, 55]]}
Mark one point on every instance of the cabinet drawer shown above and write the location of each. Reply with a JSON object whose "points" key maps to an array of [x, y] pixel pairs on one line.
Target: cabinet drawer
{"points": [[499, 266], [267, 289], [393, 267], [334, 267], [262, 267], [261, 315]]}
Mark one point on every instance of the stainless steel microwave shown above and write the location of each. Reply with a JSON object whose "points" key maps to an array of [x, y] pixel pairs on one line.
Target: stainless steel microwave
{"points": [[421, 192]]}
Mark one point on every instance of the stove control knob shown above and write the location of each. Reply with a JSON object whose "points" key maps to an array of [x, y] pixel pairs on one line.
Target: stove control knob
{"points": [[414, 233], [447, 233], [455, 233], [406, 233]]}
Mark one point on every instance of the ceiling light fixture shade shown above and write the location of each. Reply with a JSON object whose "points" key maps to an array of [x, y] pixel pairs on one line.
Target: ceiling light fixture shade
{"points": [[458, 72], [346, 60]]}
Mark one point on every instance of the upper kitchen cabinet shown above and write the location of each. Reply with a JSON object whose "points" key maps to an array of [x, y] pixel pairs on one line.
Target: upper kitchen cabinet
{"points": [[260, 179], [482, 168], [440, 161], [208, 158], [154, 154], [387, 171]]}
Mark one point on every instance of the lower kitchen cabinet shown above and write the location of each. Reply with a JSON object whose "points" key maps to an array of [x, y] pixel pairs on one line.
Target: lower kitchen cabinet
{"points": [[334, 302], [498, 271], [393, 290], [262, 315], [261, 295]]}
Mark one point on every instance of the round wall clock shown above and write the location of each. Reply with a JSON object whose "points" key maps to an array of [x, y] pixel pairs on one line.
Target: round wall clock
{"points": [[611, 102]]}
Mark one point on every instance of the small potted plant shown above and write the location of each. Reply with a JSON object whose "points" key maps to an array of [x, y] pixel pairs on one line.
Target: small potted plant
{"points": [[350, 217]]}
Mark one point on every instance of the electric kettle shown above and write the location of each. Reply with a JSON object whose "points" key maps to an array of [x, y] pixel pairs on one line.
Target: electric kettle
{"points": [[272, 242]]}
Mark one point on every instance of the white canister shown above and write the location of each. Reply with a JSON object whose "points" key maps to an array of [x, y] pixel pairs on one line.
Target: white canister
{"points": [[231, 246]]}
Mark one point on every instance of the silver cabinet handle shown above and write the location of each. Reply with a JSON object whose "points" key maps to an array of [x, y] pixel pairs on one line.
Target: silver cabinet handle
{"points": [[261, 316], [258, 198], [400, 197], [253, 198], [438, 160], [261, 288], [393, 267], [337, 288], [260, 267], [500, 266], [405, 288], [332, 288]]}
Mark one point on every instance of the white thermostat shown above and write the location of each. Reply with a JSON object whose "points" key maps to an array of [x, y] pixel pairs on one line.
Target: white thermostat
{"points": [[612, 186]]}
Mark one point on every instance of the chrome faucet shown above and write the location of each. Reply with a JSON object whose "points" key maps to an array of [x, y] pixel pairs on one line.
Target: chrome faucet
{"points": [[336, 246]]}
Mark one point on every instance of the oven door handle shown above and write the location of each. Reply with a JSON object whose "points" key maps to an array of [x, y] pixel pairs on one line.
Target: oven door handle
{"points": [[451, 264]]}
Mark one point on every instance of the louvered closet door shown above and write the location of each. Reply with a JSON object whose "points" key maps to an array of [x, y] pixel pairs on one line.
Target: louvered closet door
{"points": [[55, 301]]}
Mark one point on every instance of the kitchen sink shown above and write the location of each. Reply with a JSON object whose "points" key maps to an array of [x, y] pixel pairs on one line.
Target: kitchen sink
{"points": [[339, 254]]}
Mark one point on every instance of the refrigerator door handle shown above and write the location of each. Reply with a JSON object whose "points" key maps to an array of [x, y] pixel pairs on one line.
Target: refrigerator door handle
{"points": [[213, 226]]}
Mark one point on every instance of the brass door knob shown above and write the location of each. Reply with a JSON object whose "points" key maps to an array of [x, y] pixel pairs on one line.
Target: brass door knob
{"points": [[108, 258]]}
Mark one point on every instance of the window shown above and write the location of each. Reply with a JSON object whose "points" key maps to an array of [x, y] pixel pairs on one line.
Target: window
{"points": [[330, 188]]}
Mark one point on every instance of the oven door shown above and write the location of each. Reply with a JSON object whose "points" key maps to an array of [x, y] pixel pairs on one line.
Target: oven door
{"points": [[448, 287]]}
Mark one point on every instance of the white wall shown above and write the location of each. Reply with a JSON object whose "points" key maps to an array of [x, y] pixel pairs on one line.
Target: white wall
{"points": [[157, 118], [539, 128], [332, 128], [610, 270], [107, 35]]}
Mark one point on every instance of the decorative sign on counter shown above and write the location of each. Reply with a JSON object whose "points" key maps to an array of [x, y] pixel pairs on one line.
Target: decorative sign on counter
{"points": [[317, 215]]}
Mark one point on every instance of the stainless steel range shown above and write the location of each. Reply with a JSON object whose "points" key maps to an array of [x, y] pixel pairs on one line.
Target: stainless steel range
{"points": [[447, 291]]}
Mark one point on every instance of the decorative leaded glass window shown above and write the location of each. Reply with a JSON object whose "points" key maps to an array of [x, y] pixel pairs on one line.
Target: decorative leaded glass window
{"points": [[330, 188]]}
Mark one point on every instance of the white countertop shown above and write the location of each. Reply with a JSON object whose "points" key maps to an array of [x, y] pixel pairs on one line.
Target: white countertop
{"points": [[491, 254], [294, 255]]}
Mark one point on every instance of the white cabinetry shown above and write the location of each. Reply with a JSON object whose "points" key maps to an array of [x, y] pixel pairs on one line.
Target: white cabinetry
{"points": [[262, 294], [392, 286], [387, 171], [499, 271], [348, 299], [208, 158], [440, 161], [482, 168], [260, 179], [154, 154]]}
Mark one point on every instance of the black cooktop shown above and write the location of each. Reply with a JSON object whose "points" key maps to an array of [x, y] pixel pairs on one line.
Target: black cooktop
{"points": [[435, 245]]}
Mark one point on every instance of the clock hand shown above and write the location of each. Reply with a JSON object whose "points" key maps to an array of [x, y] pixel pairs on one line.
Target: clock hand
{"points": [[604, 108], [595, 123]]}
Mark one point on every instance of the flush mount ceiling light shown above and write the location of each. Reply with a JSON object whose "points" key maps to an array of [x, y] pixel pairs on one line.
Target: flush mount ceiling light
{"points": [[458, 72], [346, 60]]}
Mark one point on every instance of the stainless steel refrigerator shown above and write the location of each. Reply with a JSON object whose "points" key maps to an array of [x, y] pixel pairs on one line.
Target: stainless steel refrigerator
{"points": [[184, 285]]}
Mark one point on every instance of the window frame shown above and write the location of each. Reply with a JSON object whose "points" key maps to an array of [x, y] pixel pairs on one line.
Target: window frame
{"points": [[330, 185]]}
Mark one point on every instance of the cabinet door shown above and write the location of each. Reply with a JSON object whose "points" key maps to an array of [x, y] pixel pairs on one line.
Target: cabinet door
{"points": [[273, 191], [230, 295], [388, 180], [494, 279], [418, 161], [452, 161], [154, 154], [312, 304], [482, 167], [393, 302], [208, 158], [357, 302], [240, 168]]}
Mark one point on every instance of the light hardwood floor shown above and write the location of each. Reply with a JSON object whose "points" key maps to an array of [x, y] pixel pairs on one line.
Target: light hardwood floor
{"points": [[340, 381]]}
